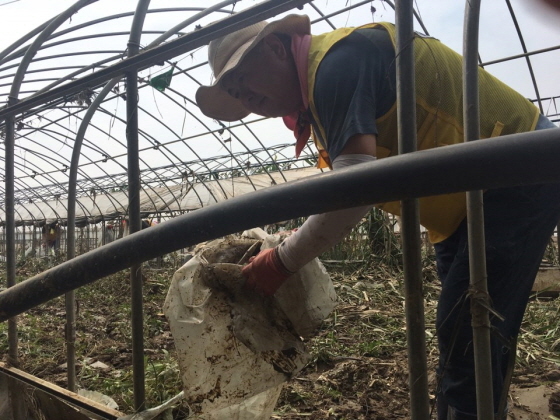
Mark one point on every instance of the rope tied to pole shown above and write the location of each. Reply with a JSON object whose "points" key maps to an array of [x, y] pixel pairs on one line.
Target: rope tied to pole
{"points": [[482, 298]]}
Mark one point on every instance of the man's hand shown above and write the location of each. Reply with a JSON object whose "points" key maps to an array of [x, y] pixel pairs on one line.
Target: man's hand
{"points": [[265, 272]]}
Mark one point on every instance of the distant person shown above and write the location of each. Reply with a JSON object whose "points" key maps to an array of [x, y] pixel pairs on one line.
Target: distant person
{"points": [[51, 238], [107, 235], [144, 223], [342, 86]]}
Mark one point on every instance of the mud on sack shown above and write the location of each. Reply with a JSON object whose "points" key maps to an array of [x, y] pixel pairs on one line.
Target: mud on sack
{"points": [[236, 348]]}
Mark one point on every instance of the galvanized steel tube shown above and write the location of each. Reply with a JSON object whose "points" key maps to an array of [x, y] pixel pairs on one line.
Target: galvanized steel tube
{"points": [[491, 163], [14, 93], [135, 223], [478, 290], [410, 218], [171, 49]]}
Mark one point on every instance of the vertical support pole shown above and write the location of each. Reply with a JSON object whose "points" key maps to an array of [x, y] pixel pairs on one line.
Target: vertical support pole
{"points": [[34, 239], [88, 236], [10, 232], [134, 208], [410, 233], [475, 216], [16, 85], [24, 230], [16, 392]]}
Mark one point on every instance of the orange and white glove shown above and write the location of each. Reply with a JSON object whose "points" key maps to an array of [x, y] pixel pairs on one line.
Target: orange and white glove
{"points": [[265, 272]]}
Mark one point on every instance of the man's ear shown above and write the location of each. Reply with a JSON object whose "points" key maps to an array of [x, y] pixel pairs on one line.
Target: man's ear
{"points": [[276, 46]]}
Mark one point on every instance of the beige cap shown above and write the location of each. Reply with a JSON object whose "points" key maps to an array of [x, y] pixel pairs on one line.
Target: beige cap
{"points": [[225, 54]]}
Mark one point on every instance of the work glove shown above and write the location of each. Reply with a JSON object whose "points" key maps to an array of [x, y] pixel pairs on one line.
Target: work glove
{"points": [[265, 272]]}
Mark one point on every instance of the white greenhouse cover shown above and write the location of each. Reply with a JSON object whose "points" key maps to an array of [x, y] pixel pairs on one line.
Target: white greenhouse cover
{"points": [[165, 199]]}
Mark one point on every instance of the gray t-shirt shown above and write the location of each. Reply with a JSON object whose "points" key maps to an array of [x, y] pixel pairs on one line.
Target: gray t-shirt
{"points": [[355, 84]]}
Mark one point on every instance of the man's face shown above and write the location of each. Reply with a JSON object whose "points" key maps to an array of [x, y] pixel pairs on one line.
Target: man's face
{"points": [[266, 81]]}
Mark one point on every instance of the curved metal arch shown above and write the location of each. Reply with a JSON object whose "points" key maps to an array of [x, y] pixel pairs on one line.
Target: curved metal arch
{"points": [[143, 161], [212, 132], [38, 42], [162, 145], [166, 34], [168, 31], [112, 198], [153, 144], [135, 225], [30, 81], [41, 199], [222, 125], [16, 182], [527, 58], [24, 39], [21, 51], [58, 169], [77, 72], [43, 70], [116, 56]]}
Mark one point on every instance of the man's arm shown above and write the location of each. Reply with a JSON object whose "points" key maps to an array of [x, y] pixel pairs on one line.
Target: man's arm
{"points": [[322, 231], [268, 271]]}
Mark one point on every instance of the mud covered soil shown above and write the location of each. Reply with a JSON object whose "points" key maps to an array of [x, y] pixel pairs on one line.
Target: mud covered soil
{"points": [[359, 365]]}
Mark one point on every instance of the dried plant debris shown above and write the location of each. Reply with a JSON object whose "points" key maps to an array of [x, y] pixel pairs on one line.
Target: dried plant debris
{"points": [[358, 368]]}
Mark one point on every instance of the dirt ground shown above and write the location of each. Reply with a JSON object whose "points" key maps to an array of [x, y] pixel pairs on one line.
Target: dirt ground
{"points": [[359, 363]]}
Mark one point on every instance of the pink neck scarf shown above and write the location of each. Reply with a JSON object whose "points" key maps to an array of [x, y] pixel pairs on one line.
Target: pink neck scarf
{"points": [[298, 121]]}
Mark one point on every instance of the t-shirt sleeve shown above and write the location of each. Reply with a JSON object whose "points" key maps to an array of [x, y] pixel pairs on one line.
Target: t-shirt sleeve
{"points": [[353, 87]]}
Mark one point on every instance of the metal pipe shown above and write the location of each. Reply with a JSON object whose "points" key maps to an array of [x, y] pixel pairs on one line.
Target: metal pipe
{"points": [[410, 217], [478, 289], [164, 52], [16, 392], [491, 163], [24, 39], [134, 186], [527, 54], [9, 145], [527, 58], [18, 79], [71, 229], [23, 242], [135, 222]]}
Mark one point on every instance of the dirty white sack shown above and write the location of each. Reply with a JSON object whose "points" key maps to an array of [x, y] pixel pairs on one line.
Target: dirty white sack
{"points": [[235, 348]]}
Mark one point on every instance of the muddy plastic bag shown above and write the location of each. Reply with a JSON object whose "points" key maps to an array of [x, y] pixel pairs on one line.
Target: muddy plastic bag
{"points": [[235, 348]]}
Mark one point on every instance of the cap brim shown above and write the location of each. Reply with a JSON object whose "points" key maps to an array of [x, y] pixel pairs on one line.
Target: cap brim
{"points": [[215, 102]]}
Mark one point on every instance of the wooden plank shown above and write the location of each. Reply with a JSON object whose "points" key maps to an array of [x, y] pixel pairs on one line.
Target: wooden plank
{"points": [[71, 397], [548, 280]]}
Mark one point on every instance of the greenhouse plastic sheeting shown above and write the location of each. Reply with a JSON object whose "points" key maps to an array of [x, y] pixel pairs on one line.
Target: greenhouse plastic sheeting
{"points": [[166, 199]]}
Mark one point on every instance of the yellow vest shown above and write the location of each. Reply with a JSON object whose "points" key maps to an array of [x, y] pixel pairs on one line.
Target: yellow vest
{"points": [[439, 117]]}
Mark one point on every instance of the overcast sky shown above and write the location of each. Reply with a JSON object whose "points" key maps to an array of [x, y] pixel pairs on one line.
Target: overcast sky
{"points": [[443, 19]]}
